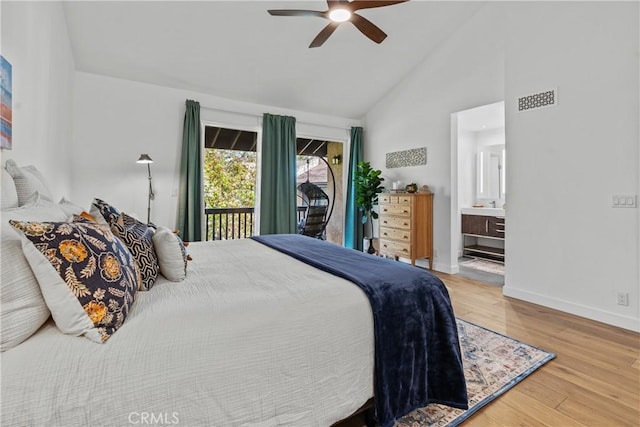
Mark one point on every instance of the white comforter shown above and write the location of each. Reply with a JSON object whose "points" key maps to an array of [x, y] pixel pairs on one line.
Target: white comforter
{"points": [[251, 338]]}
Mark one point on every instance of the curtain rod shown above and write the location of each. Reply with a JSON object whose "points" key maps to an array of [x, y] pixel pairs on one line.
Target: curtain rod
{"points": [[259, 116]]}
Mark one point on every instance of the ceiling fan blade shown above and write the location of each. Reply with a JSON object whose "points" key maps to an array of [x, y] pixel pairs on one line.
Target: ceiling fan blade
{"points": [[295, 12], [334, 3], [368, 28], [324, 34], [368, 4]]}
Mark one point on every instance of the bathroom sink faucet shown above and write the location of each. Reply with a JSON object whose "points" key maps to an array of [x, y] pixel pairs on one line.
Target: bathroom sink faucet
{"points": [[493, 204]]}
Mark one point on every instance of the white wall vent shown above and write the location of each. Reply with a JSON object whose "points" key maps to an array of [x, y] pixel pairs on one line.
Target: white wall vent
{"points": [[547, 98]]}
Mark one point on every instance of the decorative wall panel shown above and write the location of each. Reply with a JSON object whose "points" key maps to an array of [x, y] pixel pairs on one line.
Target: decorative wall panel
{"points": [[412, 157]]}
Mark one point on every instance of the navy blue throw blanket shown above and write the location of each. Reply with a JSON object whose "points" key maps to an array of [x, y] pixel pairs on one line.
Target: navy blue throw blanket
{"points": [[417, 353]]}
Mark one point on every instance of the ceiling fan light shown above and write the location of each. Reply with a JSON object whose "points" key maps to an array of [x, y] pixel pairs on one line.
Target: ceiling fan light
{"points": [[339, 15]]}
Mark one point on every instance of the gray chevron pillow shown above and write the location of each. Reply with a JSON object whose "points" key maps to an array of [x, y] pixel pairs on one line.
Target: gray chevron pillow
{"points": [[138, 238]]}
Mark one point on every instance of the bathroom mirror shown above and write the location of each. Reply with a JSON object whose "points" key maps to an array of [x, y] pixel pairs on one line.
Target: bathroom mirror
{"points": [[490, 177]]}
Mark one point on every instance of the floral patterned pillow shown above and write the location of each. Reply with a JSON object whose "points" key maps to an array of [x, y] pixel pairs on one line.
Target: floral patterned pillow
{"points": [[139, 239], [87, 276]]}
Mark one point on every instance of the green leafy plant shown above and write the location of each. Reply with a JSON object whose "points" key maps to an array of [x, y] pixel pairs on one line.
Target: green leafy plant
{"points": [[367, 182]]}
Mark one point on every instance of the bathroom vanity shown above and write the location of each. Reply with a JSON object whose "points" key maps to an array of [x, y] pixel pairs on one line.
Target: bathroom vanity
{"points": [[483, 233]]}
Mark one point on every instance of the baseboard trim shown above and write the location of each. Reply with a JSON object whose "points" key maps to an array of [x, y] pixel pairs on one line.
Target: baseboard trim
{"points": [[609, 318], [444, 268]]}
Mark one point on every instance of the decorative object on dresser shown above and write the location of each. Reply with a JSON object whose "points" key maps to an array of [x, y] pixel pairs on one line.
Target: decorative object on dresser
{"points": [[412, 188], [406, 226], [484, 227], [367, 181]]}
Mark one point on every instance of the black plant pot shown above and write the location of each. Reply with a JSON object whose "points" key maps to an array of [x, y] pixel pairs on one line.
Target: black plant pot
{"points": [[371, 250]]}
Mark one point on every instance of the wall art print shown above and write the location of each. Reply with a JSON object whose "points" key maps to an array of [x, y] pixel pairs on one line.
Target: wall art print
{"points": [[5, 104], [412, 157]]}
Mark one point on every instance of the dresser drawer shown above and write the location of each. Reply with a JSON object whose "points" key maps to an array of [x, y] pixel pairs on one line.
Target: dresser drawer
{"points": [[395, 222], [397, 209], [391, 247], [388, 198], [395, 234]]}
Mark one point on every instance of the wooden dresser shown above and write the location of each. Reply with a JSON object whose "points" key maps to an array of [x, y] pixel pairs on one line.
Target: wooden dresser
{"points": [[406, 225]]}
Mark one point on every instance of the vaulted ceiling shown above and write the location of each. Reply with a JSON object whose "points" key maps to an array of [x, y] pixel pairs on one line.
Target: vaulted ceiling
{"points": [[236, 50]]}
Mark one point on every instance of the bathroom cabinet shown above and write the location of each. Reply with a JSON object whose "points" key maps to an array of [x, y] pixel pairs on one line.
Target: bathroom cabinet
{"points": [[486, 227]]}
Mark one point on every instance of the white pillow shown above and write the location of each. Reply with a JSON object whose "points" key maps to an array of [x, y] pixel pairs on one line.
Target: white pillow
{"points": [[37, 199], [27, 180], [9, 194], [172, 255], [23, 308], [70, 208]]}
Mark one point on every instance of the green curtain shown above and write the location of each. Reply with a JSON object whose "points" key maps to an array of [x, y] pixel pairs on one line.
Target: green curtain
{"points": [[278, 176], [190, 196], [353, 228]]}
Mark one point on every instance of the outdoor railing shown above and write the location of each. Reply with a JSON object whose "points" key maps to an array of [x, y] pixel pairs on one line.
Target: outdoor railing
{"points": [[233, 223]]}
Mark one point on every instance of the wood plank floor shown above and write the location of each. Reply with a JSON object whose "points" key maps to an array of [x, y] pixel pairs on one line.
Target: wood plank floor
{"points": [[593, 381]]}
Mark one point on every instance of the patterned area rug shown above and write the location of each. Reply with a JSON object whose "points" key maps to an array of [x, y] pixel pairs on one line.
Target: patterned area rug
{"points": [[488, 266], [493, 363]]}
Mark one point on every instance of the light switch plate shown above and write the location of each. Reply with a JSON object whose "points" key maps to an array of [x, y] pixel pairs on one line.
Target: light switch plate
{"points": [[624, 201]]}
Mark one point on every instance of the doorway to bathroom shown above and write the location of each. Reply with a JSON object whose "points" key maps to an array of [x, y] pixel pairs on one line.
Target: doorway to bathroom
{"points": [[478, 197]]}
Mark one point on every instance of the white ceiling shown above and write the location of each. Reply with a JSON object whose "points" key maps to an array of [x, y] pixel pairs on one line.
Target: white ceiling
{"points": [[236, 50], [482, 118]]}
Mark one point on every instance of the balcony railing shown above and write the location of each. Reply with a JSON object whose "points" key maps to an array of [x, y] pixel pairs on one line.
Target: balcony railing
{"points": [[233, 223]]}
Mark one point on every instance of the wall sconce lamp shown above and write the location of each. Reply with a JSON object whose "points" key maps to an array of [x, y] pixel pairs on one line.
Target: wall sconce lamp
{"points": [[145, 159], [336, 160]]}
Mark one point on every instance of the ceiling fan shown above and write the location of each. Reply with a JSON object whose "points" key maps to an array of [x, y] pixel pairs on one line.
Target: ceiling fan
{"points": [[340, 11]]}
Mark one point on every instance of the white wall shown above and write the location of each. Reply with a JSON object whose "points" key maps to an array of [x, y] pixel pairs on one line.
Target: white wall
{"points": [[485, 138], [467, 149], [565, 246], [35, 42], [466, 72], [117, 120]]}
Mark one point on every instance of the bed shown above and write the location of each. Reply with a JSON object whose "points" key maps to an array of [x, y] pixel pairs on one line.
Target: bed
{"points": [[251, 337]]}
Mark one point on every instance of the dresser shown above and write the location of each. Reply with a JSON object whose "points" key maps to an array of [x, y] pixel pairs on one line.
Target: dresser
{"points": [[406, 225]]}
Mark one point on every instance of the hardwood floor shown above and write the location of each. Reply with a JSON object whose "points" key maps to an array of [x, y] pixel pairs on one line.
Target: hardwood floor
{"points": [[593, 381]]}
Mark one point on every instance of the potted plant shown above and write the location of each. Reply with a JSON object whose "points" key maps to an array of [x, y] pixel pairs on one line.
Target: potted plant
{"points": [[367, 182]]}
